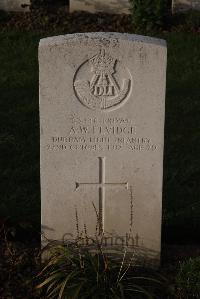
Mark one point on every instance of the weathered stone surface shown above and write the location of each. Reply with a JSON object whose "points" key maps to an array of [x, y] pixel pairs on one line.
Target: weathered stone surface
{"points": [[15, 5], [102, 99], [184, 5], [106, 6]]}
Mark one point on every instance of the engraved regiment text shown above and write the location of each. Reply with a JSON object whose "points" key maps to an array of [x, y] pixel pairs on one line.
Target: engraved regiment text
{"points": [[98, 134]]}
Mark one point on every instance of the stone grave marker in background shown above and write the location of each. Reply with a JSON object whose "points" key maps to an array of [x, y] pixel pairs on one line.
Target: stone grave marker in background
{"points": [[15, 5], [184, 5], [105, 6], [102, 99]]}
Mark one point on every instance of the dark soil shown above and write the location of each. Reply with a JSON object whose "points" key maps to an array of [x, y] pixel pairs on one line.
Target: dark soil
{"points": [[19, 265], [55, 18], [52, 20]]}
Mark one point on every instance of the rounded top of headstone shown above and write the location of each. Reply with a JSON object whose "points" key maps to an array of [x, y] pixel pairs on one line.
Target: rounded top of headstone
{"points": [[62, 39]]}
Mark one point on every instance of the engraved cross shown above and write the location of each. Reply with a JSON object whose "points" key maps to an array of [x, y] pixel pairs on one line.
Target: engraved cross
{"points": [[101, 185]]}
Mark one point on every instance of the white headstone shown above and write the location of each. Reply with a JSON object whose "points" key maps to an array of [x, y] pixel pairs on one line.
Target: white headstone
{"points": [[102, 99], [106, 6], [184, 5]]}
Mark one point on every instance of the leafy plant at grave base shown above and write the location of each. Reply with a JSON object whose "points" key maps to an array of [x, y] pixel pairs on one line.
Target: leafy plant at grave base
{"points": [[81, 268], [188, 279], [73, 271], [148, 14]]}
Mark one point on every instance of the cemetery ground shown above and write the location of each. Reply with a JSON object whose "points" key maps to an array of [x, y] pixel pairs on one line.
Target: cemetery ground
{"points": [[19, 140]]}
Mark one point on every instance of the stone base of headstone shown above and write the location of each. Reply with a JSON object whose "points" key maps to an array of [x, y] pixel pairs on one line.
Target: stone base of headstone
{"points": [[185, 5], [105, 6], [15, 5]]}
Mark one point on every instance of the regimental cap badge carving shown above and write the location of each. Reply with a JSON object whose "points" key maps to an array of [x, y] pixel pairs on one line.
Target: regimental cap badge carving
{"points": [[102, 62], [101, 91]]}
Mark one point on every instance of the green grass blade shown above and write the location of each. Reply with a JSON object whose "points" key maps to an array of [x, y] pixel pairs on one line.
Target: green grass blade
{"points": [[78, 290], [147, 279], [71, 275], [137, 289], [54, 292], [46, 281]]}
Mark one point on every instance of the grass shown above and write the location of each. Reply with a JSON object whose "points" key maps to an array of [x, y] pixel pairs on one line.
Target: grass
{"points": [[182, 135], [188, 279], [19, 137], [19, 131]]}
